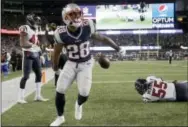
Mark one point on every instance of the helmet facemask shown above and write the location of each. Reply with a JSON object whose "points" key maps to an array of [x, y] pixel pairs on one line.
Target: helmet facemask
{"points": [[37, 22], [141, 86], [33, 21]]}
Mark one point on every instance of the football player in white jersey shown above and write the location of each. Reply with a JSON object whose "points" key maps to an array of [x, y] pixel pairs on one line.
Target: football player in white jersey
{"points": [[31, 56], [74, 36], [155, 89]]}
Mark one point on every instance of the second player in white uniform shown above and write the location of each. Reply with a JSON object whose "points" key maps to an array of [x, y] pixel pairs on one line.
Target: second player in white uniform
{"points": [[155, 89], [159, 90], [75, 38]]}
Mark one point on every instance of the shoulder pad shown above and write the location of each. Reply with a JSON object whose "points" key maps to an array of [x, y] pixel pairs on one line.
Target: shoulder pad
{"points": [[23, 29], [151, 78], [58, 32]]}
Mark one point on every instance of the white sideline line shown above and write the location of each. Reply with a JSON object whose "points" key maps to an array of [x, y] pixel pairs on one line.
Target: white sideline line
{"points": [[10, 89], [14, 103]]}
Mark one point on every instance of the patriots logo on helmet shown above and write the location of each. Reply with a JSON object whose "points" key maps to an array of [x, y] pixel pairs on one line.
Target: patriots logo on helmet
{"points": [[163, 8]]}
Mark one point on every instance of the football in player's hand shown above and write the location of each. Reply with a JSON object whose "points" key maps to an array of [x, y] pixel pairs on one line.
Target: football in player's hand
{"points": [[104, 62]]}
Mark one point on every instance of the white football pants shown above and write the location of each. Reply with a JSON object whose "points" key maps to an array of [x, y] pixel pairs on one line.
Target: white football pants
{"points": [[82, 73]]}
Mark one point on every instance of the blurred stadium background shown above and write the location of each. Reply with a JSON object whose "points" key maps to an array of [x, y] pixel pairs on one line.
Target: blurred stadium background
{"points": [[147, 29]]}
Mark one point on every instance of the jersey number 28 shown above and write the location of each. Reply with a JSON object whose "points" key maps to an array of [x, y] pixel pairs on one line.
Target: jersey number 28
{"points": [[78, 51]]}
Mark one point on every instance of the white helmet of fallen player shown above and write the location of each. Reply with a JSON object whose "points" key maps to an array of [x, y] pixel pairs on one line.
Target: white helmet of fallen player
{"points": [[72, 15]]}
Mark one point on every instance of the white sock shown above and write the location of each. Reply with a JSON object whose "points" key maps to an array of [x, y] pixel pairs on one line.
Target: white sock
{"points": [[38, 89], [21, 94]]}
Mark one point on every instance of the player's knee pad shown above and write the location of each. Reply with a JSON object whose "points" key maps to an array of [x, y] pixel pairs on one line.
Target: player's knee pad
{"points": [[84, 92]]}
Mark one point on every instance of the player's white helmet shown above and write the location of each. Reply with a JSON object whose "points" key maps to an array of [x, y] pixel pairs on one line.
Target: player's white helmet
{"points": [[72, 15]]}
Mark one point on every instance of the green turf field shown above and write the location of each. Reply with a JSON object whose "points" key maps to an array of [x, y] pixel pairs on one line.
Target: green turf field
{"points": [[113, 100]]}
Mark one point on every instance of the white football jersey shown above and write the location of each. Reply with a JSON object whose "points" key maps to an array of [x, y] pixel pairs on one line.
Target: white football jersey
{"points": [[32, 36], [159, 90], [152, 78]]}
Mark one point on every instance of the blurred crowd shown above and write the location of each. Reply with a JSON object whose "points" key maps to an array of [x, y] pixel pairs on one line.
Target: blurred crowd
{"points": [[10, 43], [167, 41], [12, 21]]}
